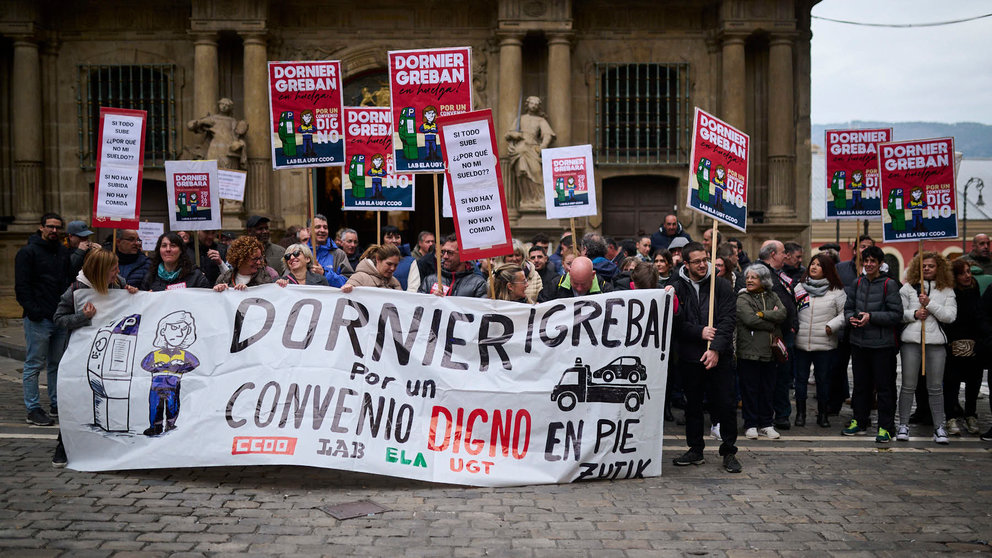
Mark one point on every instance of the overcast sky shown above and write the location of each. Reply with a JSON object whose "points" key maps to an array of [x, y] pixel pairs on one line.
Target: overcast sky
{"points": [[933, 74]]}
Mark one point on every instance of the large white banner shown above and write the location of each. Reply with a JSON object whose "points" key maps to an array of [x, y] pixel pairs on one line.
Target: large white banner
{"points": [[451, 389]]}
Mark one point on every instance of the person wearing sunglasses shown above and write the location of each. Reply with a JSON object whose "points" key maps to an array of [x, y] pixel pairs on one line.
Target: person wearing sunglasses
{"points": [[299, 260]]}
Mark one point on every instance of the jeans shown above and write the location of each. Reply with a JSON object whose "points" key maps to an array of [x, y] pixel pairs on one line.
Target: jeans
{"points": [[874, 369], [911, 360], [757, 384], [823, 363], [784, 380], [717, 384], [45, 345]]}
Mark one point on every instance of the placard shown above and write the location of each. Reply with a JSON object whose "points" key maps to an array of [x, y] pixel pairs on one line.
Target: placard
{"points": [[194, 201], [569, 186], [371, 181], [853, 191], [119, 167], [425, 86], [476, 183], [718, 174], [918, 188], [305, 121], [148, 233], [231, 184]]}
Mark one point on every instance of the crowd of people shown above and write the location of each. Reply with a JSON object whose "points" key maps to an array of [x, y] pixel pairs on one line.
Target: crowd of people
{"points": [[774, 319]]}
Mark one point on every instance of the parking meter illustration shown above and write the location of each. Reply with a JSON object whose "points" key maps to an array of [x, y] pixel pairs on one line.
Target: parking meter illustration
{"points": [[109, 369], [703, 179], [287, 133], [895, 209], [560, 188], [407, 129], [356, 173], [837, 189]]}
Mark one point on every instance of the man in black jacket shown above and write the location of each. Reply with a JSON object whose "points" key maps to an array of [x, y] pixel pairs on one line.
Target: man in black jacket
{"points": [[704, 356], [458, 278], [41, 275]]}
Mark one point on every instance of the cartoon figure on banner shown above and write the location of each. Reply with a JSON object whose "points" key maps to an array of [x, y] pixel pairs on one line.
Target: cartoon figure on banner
{"points": [[560, 190], [429, 129], [719, 184], [917, 203], [307, 128], [838, 190], [181, 202], [287, 133], [407, 130], [857, 187], [570, 183], [377, 172], [193, 198], [895, 208], [176, 332], [356, 174], [109, 370], [703, 179]]}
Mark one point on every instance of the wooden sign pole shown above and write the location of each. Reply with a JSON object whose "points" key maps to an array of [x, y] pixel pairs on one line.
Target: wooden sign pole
{"points": [[437, 234], [713, 243]]}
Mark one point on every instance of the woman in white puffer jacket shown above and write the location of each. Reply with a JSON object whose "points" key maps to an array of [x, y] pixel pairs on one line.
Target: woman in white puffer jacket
{"points": [[820, 298], [927, 305]]}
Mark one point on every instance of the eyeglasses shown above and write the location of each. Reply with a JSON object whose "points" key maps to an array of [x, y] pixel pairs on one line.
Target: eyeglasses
{"points": [[696, 261], [258, 259], [448, 252], [289, 256], [130, 239]]}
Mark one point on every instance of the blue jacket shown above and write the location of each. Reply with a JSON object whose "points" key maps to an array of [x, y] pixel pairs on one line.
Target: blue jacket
{"points": [[333, 260]]}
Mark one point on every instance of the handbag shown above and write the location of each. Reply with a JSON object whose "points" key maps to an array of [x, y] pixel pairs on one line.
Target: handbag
{"points": [[963, 348], [779, 351]]}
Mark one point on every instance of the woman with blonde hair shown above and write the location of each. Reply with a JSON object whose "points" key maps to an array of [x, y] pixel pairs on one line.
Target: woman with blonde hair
{"points": [[299, 260], [509, 283], [376, 268], [519, 258], [926, 303]]}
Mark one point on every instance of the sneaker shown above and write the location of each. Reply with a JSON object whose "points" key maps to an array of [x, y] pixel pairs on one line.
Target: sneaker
{"points": [[715, 432], [902, 433], [853, 429], [940, 435], [59, 460], [953, 428], [971, 425], [769, 432], [988, 435], [53, 412], [38, 417], [883, 436], [691, 457], [751, 433], [730, 463]]}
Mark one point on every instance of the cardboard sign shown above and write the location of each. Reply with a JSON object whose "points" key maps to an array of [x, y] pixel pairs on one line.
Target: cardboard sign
{"points": [[371, 181], [231, 184], [718, 175], [194, 200], [853, 191], [119, 166], [569, 186], [476, 183], [456, 390], [917, 179], [149, 233], [424, 86], [305, 105]]}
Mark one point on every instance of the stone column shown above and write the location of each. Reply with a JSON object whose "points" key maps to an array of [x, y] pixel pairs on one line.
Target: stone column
{"points": [[257, 116], [560, 86], [510, 86], [205, 84], [28, 148], [733, 97], [781, 127]]}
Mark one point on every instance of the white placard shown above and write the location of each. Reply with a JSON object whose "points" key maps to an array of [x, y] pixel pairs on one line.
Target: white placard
{"points": [[569, 184], [121, 141], [149, 233], [117, 193], [194, 200], [231, 184]]}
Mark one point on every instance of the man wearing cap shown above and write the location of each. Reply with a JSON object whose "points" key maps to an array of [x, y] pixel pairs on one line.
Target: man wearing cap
{"points": [[676, 249], [77, 239], [258, 227]]}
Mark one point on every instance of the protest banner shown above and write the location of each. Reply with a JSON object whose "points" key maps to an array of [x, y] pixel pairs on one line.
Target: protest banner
{"points": [[119, 166], [476, 184], [194, 200], [231, 184], [718, 185], [425, 85], [569, 186], [917, 179], [853, 191], [148, 233], [306, 125], [454, 390], [371, 182]]}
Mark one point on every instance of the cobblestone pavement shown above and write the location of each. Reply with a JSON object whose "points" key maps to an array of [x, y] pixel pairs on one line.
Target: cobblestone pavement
{"points": [[812, 492]]}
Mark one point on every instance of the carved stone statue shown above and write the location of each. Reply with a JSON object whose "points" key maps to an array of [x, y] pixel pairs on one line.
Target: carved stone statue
{"points": [[524, 147], [224, 136]]}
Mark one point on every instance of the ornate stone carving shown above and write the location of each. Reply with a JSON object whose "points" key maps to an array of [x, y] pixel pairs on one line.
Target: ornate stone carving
{"points": [[524, 147], [223, 137]]}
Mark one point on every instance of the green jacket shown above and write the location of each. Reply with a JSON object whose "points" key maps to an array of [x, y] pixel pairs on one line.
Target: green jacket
{"points": [[754, 332]]}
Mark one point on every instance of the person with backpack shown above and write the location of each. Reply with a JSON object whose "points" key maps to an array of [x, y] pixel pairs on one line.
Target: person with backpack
{"points": [[873, 311]]}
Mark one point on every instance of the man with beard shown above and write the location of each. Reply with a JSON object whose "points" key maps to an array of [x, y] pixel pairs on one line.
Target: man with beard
{"points": [[332, 259]]}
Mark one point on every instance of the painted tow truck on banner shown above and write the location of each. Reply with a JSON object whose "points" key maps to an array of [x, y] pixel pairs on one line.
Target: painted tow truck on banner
{"points": [[578, 385]]}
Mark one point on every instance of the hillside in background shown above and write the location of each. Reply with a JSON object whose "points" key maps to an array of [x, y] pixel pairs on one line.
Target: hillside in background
{"points": [[972, 139]]}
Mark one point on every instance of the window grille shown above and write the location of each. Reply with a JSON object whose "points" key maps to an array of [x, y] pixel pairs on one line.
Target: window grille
{"points": [[643, 116], [148, 87]]}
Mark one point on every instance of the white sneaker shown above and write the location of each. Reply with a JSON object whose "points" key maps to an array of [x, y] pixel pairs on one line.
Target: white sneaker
{"points": [[902, 433], [940, 435], [715, 432], [770, 433], [751, 433], [953, 428]]}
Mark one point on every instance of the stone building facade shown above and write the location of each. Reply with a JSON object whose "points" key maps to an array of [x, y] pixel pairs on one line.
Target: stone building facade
{"points": [[623, 76]]}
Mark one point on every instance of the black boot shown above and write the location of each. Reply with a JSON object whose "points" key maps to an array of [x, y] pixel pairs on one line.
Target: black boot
{"points": [[822, 420], [800, 418]]}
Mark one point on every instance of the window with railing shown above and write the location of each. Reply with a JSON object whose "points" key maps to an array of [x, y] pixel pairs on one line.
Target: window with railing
{"points": [[642, 114], [148, 87]]}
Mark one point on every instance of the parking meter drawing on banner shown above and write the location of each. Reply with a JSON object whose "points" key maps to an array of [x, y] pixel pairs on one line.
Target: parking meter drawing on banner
{"points": [[110, 368]]}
